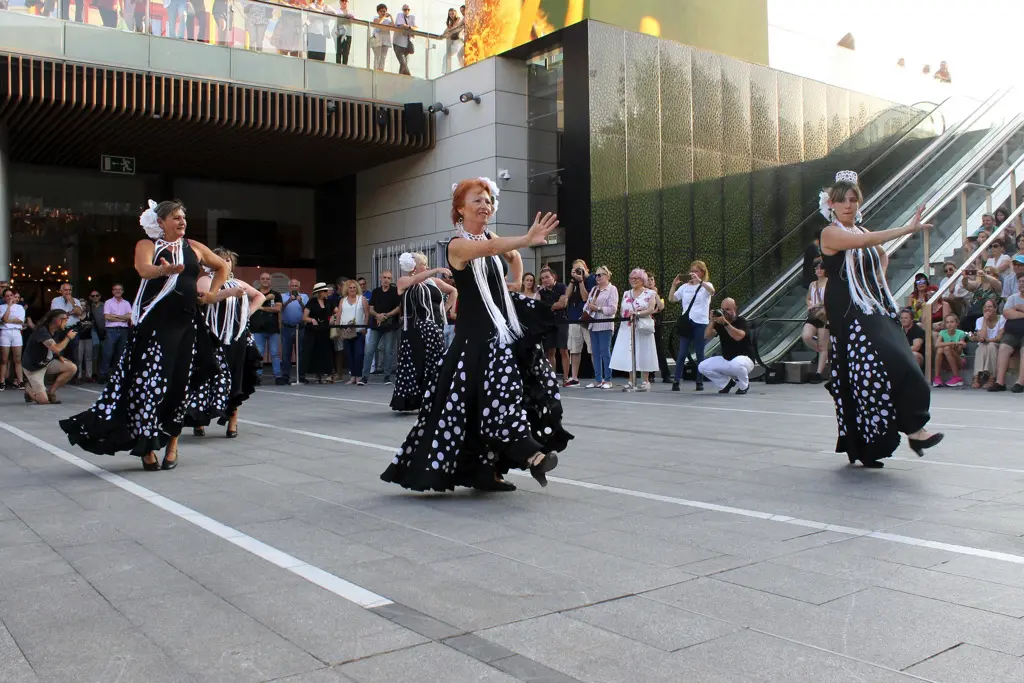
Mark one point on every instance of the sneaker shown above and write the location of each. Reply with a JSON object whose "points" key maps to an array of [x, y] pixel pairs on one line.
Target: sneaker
{"points": [[1017, 388], [741, 392], [937, 382], [280, 381], [387, 379], [700, 386], [571, 383], [675, 386], [814, 378], [3, 387], [728, 387], [996, 387], [956, 381], [643, 386], [361, 382], [607, 385], [593, 385]]}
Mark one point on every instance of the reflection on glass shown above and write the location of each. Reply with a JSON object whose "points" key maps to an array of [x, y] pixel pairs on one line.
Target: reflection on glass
{"points": [[286, 32]]}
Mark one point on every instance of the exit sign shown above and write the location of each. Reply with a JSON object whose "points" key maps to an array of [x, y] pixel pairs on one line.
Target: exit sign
{"points": [[117, 165]]}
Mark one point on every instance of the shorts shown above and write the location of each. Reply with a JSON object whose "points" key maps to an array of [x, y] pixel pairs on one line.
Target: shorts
{"points": [[558, 338], [35, 380], [10, 338], [1014, 341], [817, 322], [578, 336]]}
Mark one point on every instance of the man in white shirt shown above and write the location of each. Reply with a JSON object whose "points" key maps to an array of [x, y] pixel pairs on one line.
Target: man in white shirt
{"points": [[117, 314], [403, 40], [73, 307]]}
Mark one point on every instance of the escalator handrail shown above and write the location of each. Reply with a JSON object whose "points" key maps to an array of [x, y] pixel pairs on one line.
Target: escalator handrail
{"points": [[941, 141], [1005, 133], [979, 158]]}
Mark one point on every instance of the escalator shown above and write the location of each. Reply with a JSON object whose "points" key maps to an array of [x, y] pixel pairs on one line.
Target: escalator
{"points": [[981, 146]]}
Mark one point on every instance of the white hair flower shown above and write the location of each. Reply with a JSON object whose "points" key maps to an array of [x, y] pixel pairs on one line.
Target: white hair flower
{"points": [[823, 205], [407, 262], [150, 223]]}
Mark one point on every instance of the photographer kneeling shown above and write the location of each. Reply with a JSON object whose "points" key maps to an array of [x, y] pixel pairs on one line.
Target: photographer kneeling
{"points": [[42, 358], [732, 368]]}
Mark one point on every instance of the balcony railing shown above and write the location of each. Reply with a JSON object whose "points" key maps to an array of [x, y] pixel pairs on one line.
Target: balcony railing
{"points": [[313, 32]]}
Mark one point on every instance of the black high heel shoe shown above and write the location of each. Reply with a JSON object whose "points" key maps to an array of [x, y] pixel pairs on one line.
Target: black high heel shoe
{"points": [[152, 466], [170, 464], [231, 433], [199, 431], [539, 472], [919, 446]]}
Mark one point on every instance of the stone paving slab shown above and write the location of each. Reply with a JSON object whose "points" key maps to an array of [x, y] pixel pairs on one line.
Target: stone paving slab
{"points": [[558, 584]]}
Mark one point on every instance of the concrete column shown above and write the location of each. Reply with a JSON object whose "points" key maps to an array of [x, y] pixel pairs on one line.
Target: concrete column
{"points": [[5, 206]]}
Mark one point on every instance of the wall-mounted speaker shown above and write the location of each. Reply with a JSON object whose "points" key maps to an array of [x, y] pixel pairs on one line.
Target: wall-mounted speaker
{"points": [[382, 117], [415, 119]]}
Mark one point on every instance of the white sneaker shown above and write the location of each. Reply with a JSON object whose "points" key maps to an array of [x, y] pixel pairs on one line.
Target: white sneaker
{"points": [[607, 385], [593, 385]]}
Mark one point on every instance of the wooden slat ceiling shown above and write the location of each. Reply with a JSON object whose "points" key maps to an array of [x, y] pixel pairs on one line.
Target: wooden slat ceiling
{"points": [[65, 114]]}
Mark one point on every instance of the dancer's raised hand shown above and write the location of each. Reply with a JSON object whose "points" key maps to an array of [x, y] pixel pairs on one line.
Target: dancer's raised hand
{"points": [[541, 228], [916, 224]]}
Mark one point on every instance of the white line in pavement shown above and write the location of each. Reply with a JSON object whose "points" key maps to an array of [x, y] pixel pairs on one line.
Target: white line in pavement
{"points": [[727, 509], [335, 584]]}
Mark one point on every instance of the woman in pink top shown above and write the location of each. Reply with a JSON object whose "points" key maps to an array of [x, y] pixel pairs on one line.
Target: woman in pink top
{"points": [[601, 305]]}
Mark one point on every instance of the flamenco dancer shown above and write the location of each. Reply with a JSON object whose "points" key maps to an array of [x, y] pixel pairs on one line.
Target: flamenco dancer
{"points": [[228, 321], [878, 388], [423, 320], [142, 408], [494, 404]]}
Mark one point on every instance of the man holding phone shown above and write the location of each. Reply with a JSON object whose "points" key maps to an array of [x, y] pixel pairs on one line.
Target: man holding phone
{"points": [[732, 368]]}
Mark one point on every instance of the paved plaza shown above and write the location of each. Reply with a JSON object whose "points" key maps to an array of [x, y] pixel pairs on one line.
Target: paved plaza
{"points": [[686, 538]]}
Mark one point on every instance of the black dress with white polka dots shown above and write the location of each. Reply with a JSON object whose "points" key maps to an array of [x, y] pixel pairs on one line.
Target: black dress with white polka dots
{"points": [[238, 362], [492, 406], [878, 388], [168, 355], [422, 345]]}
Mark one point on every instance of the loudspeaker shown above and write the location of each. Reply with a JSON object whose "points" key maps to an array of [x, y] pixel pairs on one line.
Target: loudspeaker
{"points": [[776, 374], [382, 117], [415, 119]]}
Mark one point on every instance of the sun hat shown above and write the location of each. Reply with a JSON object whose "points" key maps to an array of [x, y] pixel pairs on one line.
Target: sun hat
{"points": [[320, 287]]}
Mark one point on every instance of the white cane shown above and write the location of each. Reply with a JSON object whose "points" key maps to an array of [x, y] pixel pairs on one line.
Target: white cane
{"points": [[632, 355], [298, 358]]}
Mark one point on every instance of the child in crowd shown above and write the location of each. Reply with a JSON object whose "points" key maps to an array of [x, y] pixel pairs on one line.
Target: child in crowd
{"points": [[950, 347]]}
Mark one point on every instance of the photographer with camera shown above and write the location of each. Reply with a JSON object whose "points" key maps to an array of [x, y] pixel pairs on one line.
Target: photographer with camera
{"points": [[44, 357], [732, 368], [580, 284], [73, 307]]}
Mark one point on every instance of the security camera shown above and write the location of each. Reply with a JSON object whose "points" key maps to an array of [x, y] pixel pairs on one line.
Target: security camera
{"points": [[438, 107], [504, 174], [469, 97], [332, 106]]}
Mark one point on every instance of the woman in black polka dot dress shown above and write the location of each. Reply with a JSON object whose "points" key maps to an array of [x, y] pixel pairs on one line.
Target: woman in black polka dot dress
{"points": [[495, 402], [142, 408], [878, 388], [423, 320], [239, 360]]}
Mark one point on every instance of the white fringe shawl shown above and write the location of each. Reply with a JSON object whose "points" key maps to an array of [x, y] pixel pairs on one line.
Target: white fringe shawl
{"points": [[424, 295], [177, 252], [865, 276], [233, 325], [508, 329]]}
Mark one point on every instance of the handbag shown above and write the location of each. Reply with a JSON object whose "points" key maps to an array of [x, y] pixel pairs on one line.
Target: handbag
{"points": [[585, 317], [644, 326], [410, 49], [684, 326]]}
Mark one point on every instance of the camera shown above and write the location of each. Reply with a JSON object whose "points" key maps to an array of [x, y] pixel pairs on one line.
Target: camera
{"points": [[971, 271], [717, 313]]}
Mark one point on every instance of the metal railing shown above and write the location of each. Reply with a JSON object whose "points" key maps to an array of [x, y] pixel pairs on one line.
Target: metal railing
{"points": [[320, 34], [1015, 215]]}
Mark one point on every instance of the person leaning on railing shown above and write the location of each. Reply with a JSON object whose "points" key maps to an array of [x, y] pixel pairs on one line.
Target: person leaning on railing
{"points": [[380, 39]]}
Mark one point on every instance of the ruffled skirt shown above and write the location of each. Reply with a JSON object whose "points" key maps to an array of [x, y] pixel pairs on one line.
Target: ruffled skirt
{"points": [[491, 408], [167, 358], [419, 357]]}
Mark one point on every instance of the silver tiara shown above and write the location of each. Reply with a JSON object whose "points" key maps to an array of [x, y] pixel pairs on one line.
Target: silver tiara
{"points": [[846, 177]]}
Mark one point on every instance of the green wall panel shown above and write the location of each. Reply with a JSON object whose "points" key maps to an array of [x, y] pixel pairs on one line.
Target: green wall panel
{"points": [[676, 66]]}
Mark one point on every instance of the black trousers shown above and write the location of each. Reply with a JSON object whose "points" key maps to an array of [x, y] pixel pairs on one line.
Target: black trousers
{"points": [[344, 45]]}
